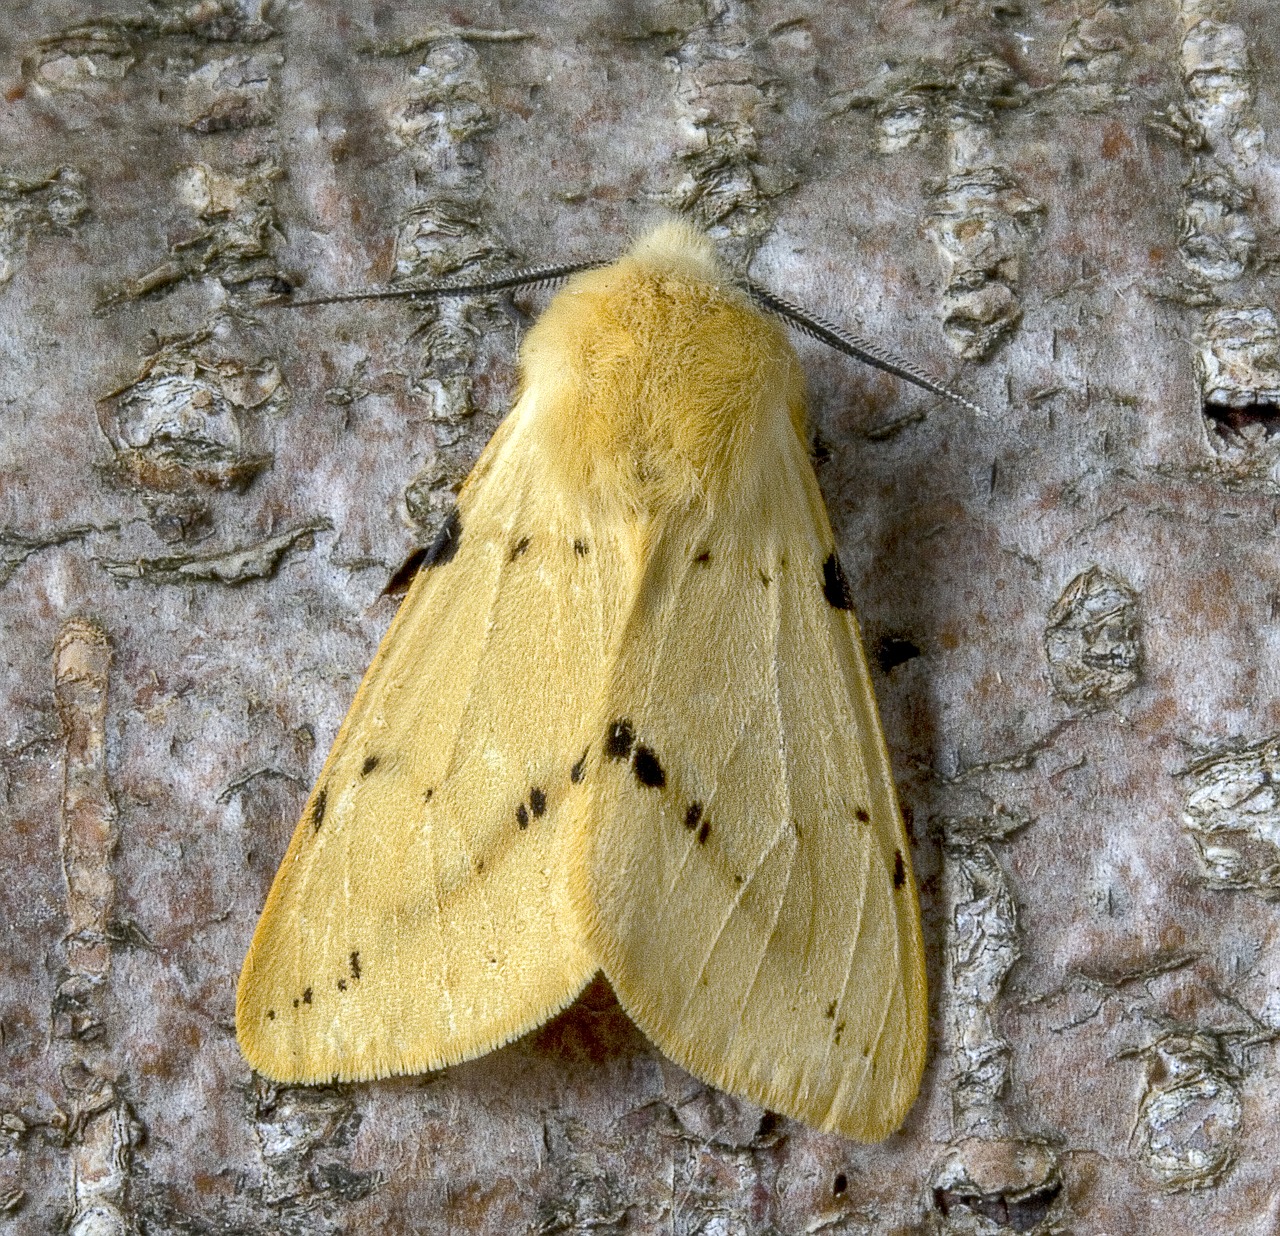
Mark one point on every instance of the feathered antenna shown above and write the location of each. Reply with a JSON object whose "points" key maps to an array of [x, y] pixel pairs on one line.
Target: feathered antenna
{"points": [[543, 276], [852, 345], [529, 277]]}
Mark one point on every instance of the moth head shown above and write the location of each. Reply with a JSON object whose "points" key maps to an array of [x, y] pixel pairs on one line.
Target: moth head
{"points": [[676, 247]]}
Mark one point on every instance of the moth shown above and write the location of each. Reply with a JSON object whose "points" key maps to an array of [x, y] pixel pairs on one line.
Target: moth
{"points": [[621, 722]]}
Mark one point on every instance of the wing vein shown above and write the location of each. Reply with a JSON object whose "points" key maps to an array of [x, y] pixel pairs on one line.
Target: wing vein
{"points": [[854, 960], [788, 814], [710, 804], [465, 731], [706, 960]]}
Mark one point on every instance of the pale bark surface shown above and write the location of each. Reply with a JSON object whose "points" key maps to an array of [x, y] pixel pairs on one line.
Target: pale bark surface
{"points": [[1065, 209]]}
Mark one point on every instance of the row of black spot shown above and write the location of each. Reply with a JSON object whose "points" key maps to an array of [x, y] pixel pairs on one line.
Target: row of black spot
{"points": [[693, 819], [580, 547], [537, 802], [537, 807], [353, 961], [835, 584], [620, 744], [321, 802], [899, 867], [830, 1015]]}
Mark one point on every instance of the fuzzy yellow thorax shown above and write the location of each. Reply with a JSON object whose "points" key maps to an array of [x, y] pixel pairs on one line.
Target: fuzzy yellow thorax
{"points": [[654, 376]]}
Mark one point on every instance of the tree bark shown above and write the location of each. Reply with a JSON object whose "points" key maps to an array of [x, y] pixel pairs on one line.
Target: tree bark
{"points": [[1065, 210]]}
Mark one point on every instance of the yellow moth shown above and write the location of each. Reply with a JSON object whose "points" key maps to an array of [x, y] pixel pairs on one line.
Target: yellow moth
{"points": [[622, 722]]}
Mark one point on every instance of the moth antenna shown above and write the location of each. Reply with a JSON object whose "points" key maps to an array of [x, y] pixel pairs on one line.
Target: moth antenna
{"points": [[852, 345], [532, 276], [543, 276]]}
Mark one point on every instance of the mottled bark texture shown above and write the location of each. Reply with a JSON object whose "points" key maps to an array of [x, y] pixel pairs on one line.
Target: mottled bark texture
{"points": [[1065, 208]]}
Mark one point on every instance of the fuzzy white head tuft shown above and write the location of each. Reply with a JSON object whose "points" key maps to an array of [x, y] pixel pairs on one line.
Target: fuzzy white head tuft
{"points": [[681, 248]]}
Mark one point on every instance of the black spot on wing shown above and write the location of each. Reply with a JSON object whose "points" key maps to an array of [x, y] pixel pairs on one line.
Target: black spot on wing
{"points": [[355, 964], [580, 548], [835, 584], [317, 810], [271, 1014], [899, 869], [537, 802], [370, 763], [704, 558], [840, 1184], [861, 814], [440, 551], [577, 772], [618, 739], [838, 1033], [519, 547], [647, 768], [295, 1004], [306, 995], [426, 796], [522, 816], [399, 582], [704, 832], [693, 816], [342, 984], [831, 1011]]}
